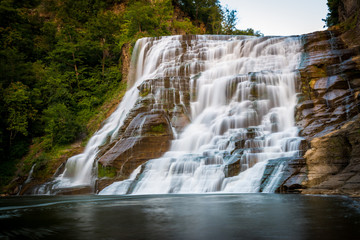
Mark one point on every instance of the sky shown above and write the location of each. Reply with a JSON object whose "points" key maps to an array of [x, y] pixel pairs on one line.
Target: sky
{"points": [[279, 17]]}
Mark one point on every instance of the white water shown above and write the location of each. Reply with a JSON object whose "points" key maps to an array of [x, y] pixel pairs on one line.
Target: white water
{"points": [[245, 92], [29, 178], [79, 169]]}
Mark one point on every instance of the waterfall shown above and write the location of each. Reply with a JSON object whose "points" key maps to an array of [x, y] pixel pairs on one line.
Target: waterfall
{"points": [[242, 115], [79, 169]]}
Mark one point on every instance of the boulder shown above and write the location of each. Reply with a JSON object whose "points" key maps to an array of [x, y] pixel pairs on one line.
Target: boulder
{"points": [[147, 137], [333, 161]]}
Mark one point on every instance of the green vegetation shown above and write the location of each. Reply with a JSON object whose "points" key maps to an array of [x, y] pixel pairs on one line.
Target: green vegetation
{"points": [[61, 70], [106, 172], [144, 92], [350, 23], [215, 19], [332, 17], [158, 128]]}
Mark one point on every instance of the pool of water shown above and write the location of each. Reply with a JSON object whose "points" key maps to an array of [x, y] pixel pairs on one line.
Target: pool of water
{"points": [[225, 216]]}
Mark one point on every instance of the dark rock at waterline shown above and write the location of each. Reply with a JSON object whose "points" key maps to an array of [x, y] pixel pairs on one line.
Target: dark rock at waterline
{"points": [[76, 191], [292, 177], [333, 161], [328, 113], [330, 86]]}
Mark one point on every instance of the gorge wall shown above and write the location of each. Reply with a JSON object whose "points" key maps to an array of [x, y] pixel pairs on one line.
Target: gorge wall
{"points": [[327, 114], [329, 107]]}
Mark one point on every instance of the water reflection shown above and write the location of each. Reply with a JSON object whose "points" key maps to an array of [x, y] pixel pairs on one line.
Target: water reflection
{"points": [[242, 216]]}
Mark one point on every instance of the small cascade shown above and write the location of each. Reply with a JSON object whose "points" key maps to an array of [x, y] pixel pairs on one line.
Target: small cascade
{"points": [[242, 98], [123, 186], [29, 178]]}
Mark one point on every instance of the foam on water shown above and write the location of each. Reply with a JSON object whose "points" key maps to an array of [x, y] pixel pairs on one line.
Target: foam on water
{"points": [[242, 109]]}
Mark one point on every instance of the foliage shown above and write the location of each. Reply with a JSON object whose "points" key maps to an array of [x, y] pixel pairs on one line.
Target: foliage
{"points": [[20, 111], [332, 17], [158, 128], [60, 62], [217, 20], [248, 31], [207, 12], [230, 20], [106, 172]]}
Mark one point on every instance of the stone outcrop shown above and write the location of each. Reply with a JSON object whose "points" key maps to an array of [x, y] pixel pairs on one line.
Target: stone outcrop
{"points": [[328, 110], [147, 137], [333, 161], [347, 9], [328, 114], [330, 84], [147, 131], [125, 58], [294, 173]]}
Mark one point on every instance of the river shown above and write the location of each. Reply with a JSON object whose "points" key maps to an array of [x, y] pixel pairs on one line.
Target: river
{"points": [[177, 216]]}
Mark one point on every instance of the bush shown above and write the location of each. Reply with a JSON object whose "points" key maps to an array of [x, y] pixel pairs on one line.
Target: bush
{"points": [[332, 17]]}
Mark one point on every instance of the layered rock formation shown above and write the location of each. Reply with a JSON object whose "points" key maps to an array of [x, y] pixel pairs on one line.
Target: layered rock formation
{"points": [[333, 162], [328, 112], [162, 109], [329, 84]]}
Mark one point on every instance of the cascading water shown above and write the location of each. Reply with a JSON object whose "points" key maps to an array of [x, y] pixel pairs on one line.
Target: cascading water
{"points": [[79, 169], [242, 109]]}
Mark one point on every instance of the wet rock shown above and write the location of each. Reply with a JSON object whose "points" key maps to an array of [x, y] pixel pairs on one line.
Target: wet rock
{"points": [[147, 137], [233, 161], [234, 168], [76, 191], [332, 82], [333, 96], [125, 61], [292, 178], [333, 161], [269, 171], [327, 73]]}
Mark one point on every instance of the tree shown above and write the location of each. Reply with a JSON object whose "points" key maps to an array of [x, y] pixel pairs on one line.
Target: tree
{"points": [[19, 109], [230, 21], [332, 17], [151, 18], [60, 125], [207, 12]]}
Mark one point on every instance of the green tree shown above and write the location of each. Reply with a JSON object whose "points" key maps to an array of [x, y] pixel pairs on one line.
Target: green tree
{"points": [[207, 12], [19, 109], [332, 17], [230, 21], [60, 125], [150, 18]]}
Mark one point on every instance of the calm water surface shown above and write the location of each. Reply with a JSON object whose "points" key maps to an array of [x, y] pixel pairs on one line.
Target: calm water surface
{"points": [[235, 216]]}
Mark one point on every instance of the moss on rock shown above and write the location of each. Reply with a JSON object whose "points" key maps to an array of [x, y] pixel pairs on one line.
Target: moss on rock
{"points": [[106, 172], [160, 128]]}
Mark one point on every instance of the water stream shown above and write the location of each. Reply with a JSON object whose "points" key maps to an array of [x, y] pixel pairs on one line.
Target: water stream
{"points": [[242, 115], [242, 109], [194, 217]]}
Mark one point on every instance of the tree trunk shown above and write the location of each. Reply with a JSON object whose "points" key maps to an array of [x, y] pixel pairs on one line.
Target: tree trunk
{"points": [[75, 66], [103, 57]]}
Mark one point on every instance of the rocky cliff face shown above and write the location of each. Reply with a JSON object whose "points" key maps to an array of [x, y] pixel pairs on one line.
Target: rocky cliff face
{"points": [[162, 109], [328, 111], [328, 114]]}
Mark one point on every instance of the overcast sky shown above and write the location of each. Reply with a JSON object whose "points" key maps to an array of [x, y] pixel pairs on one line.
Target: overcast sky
{"points": [[279, 17]]}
